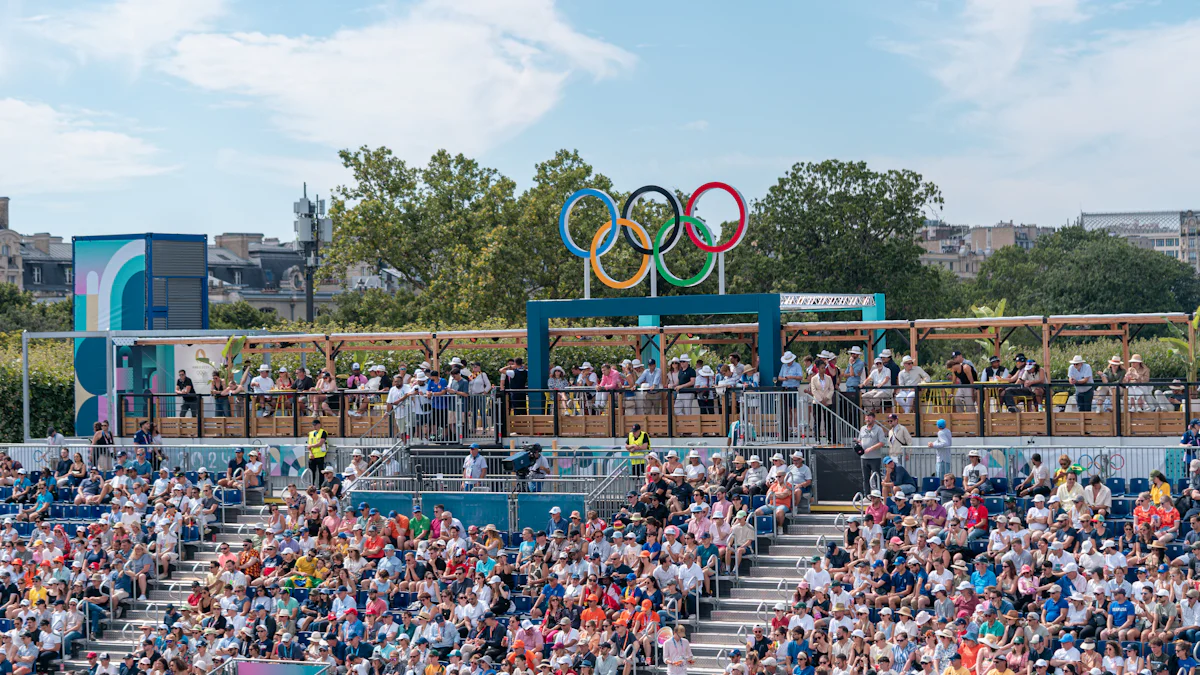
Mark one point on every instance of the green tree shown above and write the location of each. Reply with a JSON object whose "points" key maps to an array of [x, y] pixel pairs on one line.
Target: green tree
{"points": [[840, 227], [19, 311], [1073, 271], [372, 306], [239, 315], [430, 224]]}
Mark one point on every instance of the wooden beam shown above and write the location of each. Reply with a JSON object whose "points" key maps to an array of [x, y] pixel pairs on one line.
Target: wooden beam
{"points": [[1046, 351], [913, 342], [1093, 332]]}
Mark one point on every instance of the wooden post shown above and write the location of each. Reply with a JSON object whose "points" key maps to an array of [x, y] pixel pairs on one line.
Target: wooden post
{"points": [[912, 342], [1191, 347], [1046, 345], [997, 341], [1125, 342], [434, 355], [329, 361]]}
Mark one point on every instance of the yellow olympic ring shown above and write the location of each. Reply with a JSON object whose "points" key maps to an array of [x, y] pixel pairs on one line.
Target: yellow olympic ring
{"points": [[598, 268]]}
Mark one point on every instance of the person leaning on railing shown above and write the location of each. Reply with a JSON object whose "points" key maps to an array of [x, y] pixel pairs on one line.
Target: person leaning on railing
{"points": [[1028, 385], [910, 375]]}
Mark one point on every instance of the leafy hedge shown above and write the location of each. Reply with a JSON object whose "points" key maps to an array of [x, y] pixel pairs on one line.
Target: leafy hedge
{"points": [[51, 387]]}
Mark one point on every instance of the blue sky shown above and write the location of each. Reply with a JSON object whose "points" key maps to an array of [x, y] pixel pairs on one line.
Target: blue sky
{"points": [[206, 115]]}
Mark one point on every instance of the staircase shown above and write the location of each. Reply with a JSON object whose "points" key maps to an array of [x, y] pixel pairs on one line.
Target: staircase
{"points": [[771, 577], [122, 634]]}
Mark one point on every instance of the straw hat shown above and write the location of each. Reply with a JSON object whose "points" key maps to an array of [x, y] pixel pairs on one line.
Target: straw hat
{"points": [[1115, 361], [1136, 358]]}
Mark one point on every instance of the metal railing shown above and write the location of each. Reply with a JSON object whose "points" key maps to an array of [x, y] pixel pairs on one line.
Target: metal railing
{"points": [[346, 413], [792, 416], [1155, 408], [1014, 462]]}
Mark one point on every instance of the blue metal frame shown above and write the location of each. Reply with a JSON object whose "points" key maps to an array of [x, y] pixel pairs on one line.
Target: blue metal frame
{"points": [[149, 237], [539, 312]]}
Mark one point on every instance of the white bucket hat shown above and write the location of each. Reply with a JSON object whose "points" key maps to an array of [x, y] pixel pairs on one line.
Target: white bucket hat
{"points": [[636, 363], [856, 350], [706, 371], [1076, 360], [887, 353], [788, 357]]}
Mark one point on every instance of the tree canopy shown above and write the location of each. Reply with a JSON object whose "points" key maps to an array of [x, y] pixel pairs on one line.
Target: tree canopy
{"points": [[19, 311], [1073, 271]]}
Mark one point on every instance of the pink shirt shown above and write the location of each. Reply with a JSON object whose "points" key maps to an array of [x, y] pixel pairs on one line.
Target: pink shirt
{"points": [[611, 381]]}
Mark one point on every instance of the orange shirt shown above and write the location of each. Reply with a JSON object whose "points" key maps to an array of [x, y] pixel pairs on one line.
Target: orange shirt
{"points": [[592, 614], [1142, 514], [643, 619], [1168, 516], [970, 654]]}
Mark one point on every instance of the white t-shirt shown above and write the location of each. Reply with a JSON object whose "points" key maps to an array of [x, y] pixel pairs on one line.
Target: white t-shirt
{"points": [[262, 384], [1035, 512], [973, 473]]}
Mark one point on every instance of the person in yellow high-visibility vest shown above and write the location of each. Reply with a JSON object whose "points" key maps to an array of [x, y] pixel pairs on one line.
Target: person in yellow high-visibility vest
{"points": [[637, 445], [318, 447]]}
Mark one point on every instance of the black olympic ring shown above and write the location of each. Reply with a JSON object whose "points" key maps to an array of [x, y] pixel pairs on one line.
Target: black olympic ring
{"points": [[676, 209]]}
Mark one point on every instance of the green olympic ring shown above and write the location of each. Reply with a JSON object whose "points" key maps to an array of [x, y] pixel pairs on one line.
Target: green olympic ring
{"points": [[662, 266]]}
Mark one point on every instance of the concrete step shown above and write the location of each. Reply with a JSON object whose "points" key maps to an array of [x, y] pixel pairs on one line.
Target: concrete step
{"points": [[770, 593]]}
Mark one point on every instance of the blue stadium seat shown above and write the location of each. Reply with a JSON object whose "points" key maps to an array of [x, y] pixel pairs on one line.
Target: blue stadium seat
{"points": [[300, 594], [1139, 485], [995, 505], [1120, 508], [1185, 526], [192, 476], [1181, 485], [522, 604], [1175, 550], [999, 485], [930, 484], [191, 533], [230, 497], [978, 546], [1117, 485], [757, 501], [764, 525], [6, 624]]}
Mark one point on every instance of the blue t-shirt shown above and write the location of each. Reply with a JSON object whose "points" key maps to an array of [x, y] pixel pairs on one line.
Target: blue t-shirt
{"points": [[902, 580], [982, 581], [1120, 612], [558, 591], [1053, 609], [437, 384]]}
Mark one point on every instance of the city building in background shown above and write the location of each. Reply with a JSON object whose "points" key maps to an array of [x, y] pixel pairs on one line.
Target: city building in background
{"points": [[269, 274], [963, 248], [38, 263], [1162, 231]]}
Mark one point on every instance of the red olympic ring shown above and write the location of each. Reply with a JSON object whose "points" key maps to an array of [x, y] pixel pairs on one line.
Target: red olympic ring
{"points": [[742, 218]]}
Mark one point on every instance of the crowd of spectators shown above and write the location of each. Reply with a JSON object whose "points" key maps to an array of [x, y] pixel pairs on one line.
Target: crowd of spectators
{"points": [[1055, 577]]}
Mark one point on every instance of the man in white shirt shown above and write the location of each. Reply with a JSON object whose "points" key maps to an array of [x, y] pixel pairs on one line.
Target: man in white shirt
{"points": [[1039, 481], [1038, 515], [263, 384], [474, 467], [816, 576], [1065, 655]]}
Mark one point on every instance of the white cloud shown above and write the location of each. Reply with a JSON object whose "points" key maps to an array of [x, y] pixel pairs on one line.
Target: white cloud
{"points": [[321, 176], [696, 125], [1067, 117], [463, 75], [130, 30], [51, 151]]}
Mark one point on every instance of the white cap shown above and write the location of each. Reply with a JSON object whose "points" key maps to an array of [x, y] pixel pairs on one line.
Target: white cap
{"points": [[355, 366], [555, 509], [283, 369], [973, 453]]}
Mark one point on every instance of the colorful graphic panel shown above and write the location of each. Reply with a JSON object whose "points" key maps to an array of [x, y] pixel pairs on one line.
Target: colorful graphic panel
{"points": [[110, 294]]}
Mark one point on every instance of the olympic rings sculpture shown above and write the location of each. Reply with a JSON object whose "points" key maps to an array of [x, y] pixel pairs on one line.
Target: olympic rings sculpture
{"points": [[652, 246]]}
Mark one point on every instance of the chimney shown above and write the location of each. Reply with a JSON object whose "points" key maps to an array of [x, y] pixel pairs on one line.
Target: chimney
{"points": [[41, 241], [3, 213]]}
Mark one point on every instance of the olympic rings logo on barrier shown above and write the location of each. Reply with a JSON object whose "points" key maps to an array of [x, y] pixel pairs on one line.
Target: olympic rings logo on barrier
{"points": [[652, 247]]}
